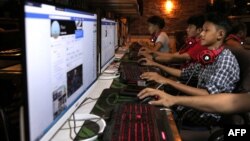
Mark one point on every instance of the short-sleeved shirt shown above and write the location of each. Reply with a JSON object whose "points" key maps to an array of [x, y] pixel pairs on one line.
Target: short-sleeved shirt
{"points": [[220, 76], [164, 40]]}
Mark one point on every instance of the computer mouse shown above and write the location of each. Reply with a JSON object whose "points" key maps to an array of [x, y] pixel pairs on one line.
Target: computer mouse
{"points": [[142, 62], [146, 99]]}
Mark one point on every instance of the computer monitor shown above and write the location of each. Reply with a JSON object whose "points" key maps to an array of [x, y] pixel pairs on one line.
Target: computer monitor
{"points": [[116, 35], [60, 65], [107, 42]]}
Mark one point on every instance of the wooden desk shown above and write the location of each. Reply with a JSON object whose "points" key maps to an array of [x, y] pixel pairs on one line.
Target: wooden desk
{"points": [[173, 127]]}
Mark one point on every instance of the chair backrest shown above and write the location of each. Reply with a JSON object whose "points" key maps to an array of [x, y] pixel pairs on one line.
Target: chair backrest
{"points": [[243, 57]]}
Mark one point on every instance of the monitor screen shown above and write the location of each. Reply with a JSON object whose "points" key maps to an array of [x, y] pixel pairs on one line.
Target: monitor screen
{"points": [[60, 64], [108, 32]]}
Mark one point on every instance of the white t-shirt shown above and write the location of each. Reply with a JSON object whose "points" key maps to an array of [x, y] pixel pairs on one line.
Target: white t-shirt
{"points": [[164, 40]]}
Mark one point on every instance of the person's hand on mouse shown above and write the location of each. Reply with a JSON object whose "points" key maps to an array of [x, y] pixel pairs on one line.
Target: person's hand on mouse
{"points": [[161, 98], [146, 62], [146, 52], [155, 77]]}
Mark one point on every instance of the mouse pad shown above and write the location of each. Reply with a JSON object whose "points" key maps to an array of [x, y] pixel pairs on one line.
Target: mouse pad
{"points": [[102, 108]]}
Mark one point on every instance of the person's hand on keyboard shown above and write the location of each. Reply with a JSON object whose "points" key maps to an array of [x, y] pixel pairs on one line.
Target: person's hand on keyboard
{"points": [[160, 97], [153, 76]]}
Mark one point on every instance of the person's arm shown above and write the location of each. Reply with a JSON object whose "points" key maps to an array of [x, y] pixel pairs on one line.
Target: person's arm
{"points": [[165, 56], [172, 71], [157, 46], [179, 86], [219, 103], [173, 58]]}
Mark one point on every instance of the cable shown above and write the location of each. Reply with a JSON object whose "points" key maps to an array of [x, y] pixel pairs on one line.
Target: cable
{"points": [[86, 99], [74, 123], [70, 132], [187, 80], [190, 77], [83, 117], [93, 98], [108, 77], [159, 86]]}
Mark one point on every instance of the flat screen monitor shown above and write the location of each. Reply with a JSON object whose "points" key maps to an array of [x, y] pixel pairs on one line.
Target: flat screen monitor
{"points": [[108, 32], [116, 35], [60, 65]]}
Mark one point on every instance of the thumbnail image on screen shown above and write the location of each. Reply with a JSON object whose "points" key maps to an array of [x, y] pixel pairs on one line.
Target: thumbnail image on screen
{"points": [[74, 80]]}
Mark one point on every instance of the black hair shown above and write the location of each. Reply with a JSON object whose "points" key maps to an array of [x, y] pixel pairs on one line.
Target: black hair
{"points": [[238, 26], [197, 20], [156, 20], [220, 21]]}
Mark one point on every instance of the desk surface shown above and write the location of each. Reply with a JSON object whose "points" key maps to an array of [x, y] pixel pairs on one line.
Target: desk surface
{"points": [[64, 134]]}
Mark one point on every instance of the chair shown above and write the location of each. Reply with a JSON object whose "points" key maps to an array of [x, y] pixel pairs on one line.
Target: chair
{"points": [[5, 99], [243, 57], [9, 108]]}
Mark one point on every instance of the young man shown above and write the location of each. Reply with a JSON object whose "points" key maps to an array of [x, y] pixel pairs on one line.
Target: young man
{"points": [[219, 103], [159, 38], [189, 50]]}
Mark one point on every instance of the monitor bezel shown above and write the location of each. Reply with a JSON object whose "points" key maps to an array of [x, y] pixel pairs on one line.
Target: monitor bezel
{"points": [[108, 62]]}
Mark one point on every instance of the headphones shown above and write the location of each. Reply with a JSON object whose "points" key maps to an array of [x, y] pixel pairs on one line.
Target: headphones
{"points": [[235, 37], [154, 37], [208, 56], [190, 42], [100, 121]]}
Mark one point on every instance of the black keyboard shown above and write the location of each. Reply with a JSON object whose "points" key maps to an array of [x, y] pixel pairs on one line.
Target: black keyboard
{"points": [[130, 72], [137, 122]]}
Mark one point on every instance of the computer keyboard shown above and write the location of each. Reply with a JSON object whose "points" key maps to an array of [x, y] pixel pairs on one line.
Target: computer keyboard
{"points": [[137, 122], [131, 72]]}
